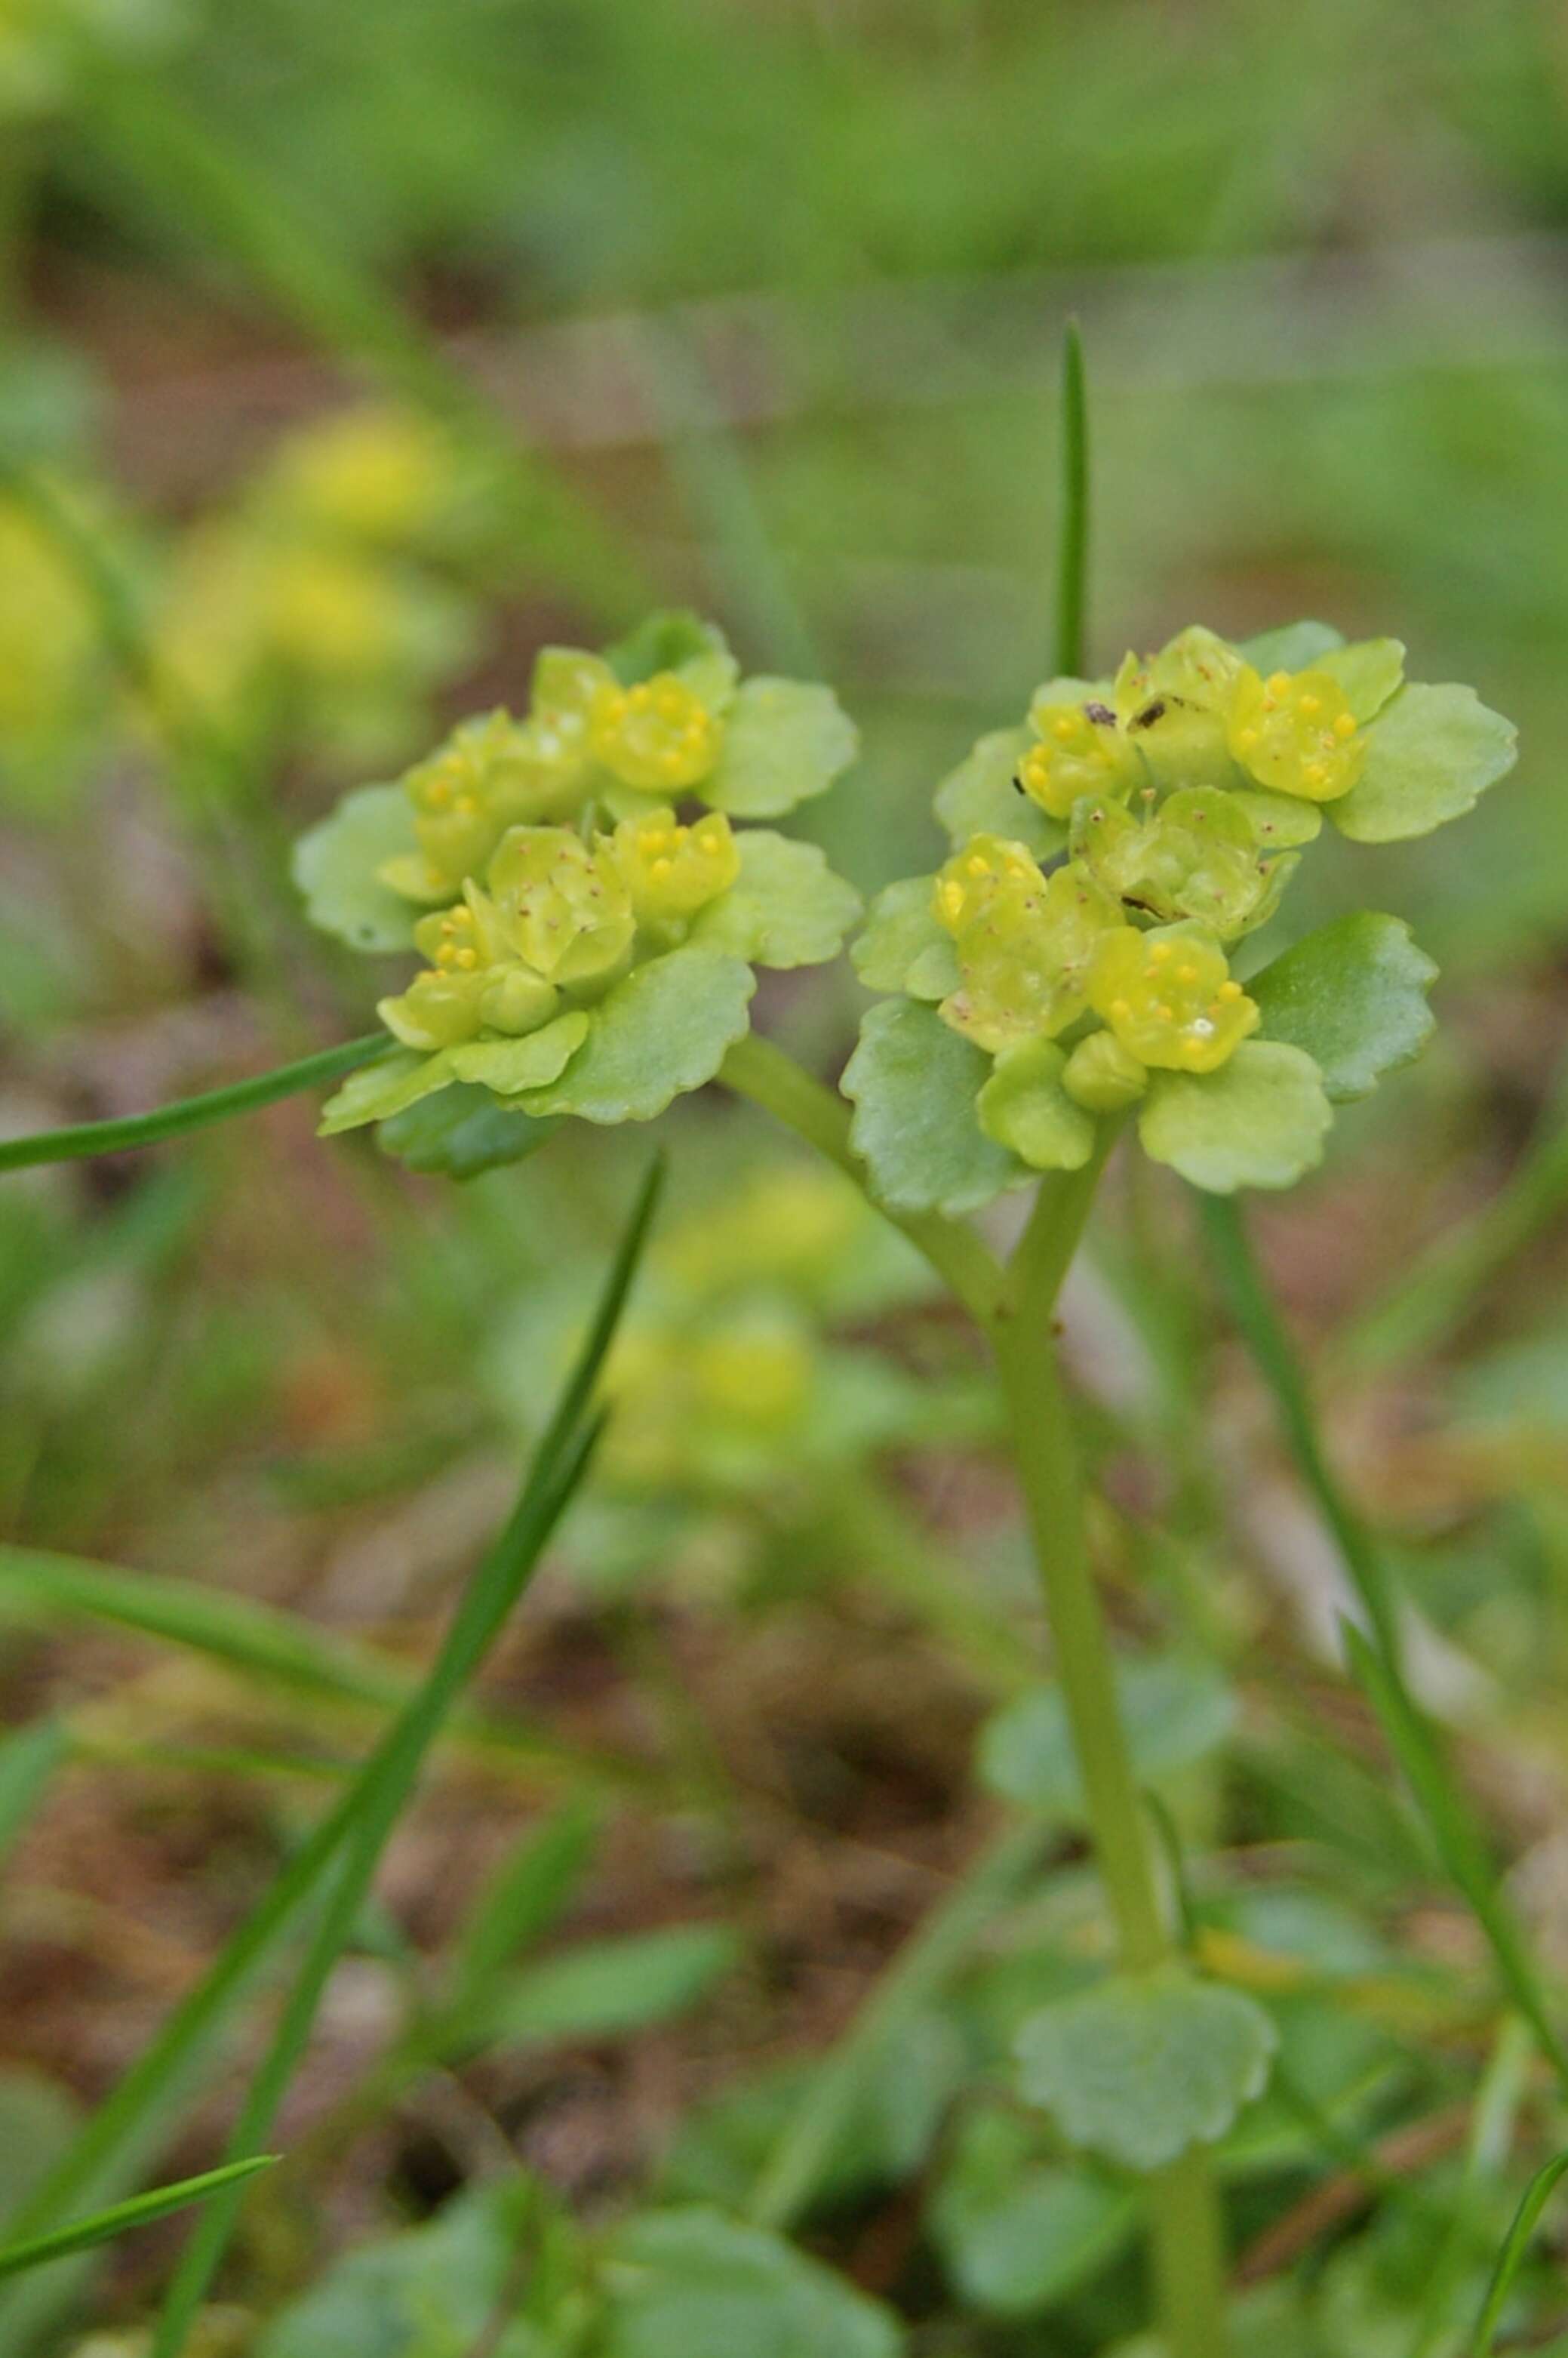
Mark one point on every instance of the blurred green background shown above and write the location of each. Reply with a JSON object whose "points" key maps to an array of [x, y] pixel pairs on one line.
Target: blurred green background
{"points": [[754, 305]]}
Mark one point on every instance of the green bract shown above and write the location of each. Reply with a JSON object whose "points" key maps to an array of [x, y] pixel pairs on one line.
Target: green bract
{"points": [[1181, 793], [587, 951]]}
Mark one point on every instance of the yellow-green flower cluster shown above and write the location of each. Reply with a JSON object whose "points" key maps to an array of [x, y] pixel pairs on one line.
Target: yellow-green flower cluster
{"points": [[1108, 857], [588, 928]]}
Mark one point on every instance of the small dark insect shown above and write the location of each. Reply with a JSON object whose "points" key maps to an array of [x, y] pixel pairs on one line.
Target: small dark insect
{"points": [[1018, 786], [1150, 714], [1101, 715]]}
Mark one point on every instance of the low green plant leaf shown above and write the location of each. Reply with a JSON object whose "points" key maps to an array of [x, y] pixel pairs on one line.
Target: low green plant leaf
{"points": [[1023, 1106], [982, 797], [1294, 646], [1370, 671], [432, 2288], [661, 1031], [692, 2284], [1353, 995], [784, 742], [913, 1082], [1146, 2065], [603, 1989], [902, 947], [1537, 2195], [383, 1089], [1175, 1711], [335, 865], [786, 908], [662, 641], [1018, 2232], [461, 1132], [1259, 1122], [511, 1066], [1431, 752]]}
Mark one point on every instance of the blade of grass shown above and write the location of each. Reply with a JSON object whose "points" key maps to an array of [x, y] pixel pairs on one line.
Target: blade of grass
{"points": [[127, 2128], [145, 128], [128, 1130], [1263, 1332], [1492, 2122], [1456, 1836], [533, 1888], [121, 2217], [271, 1646], [916, 1974], [385, 1788], [1073, 525], [1538, 2194], [27, 1761]]}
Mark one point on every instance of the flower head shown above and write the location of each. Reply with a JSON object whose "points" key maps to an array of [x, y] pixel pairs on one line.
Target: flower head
{"points": [[1295, 732], [1169, 997], [1024, 941]]}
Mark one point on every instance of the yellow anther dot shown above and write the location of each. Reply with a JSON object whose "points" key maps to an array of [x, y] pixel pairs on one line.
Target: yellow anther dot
{"points": [[1344, 726]]}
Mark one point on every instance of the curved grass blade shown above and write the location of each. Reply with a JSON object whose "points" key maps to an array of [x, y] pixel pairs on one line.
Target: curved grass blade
{"points": [[386, 1787], [121, 2217], [28, 1760], [117, 1137], [1537, 2195]]}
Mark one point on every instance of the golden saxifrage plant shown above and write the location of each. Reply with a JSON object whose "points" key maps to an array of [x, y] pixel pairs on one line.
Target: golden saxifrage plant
{"points": [[588, 892]]}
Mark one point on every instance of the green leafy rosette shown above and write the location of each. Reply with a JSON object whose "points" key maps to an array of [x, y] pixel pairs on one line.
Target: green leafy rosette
{"points": [[1071, 962], [589, 917]]}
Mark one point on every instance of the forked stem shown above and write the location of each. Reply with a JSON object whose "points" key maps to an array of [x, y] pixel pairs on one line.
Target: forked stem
{"points": [[1016, 1307]]}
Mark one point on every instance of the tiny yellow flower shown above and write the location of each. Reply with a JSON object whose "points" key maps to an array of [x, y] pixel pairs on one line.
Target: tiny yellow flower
{"points": [[659, 736], [1081, 750], [1024, 941], [562, 903], [1168, 997], [670, 871], [1293, 731]]}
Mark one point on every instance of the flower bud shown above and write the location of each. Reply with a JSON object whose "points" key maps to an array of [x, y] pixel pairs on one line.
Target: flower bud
{"points": [[1197, 856], [1102, 1076]]}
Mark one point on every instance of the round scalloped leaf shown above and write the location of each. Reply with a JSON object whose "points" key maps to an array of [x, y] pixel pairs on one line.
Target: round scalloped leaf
{"points": [[1431, 755], [1294, 646], [1019, 2230], [664, 641], [510, 1067], [1145, 2066], [335, 865], [982, 797], [377, 1091], [693, 2284], [1176, 1710], [1370, 672], [913, 1082], [461, 1132], [1353, 996], [1259, 1122], [661, 1031], [786, 908], [901, 938], [1024, 1106], [784, 740]]}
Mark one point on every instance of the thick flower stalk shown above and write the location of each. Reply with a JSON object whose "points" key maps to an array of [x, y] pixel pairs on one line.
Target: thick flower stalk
{"points": [[588, 950], [1073, 959]]}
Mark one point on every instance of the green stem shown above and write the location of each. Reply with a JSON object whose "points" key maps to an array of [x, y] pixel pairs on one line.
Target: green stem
{"points": [[754, 1068], [1016, 1308], [1185, 2223], [191, 1113]]}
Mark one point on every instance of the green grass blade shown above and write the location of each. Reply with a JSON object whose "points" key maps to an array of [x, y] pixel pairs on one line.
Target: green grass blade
{"points": [[121, 2217], [1456, 1836], [530, 1893], [27, 1761], [191, 1113], [1263, 1332], [795, 2167], [1537, 2195], [386, 1787], [1073, 523]]}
